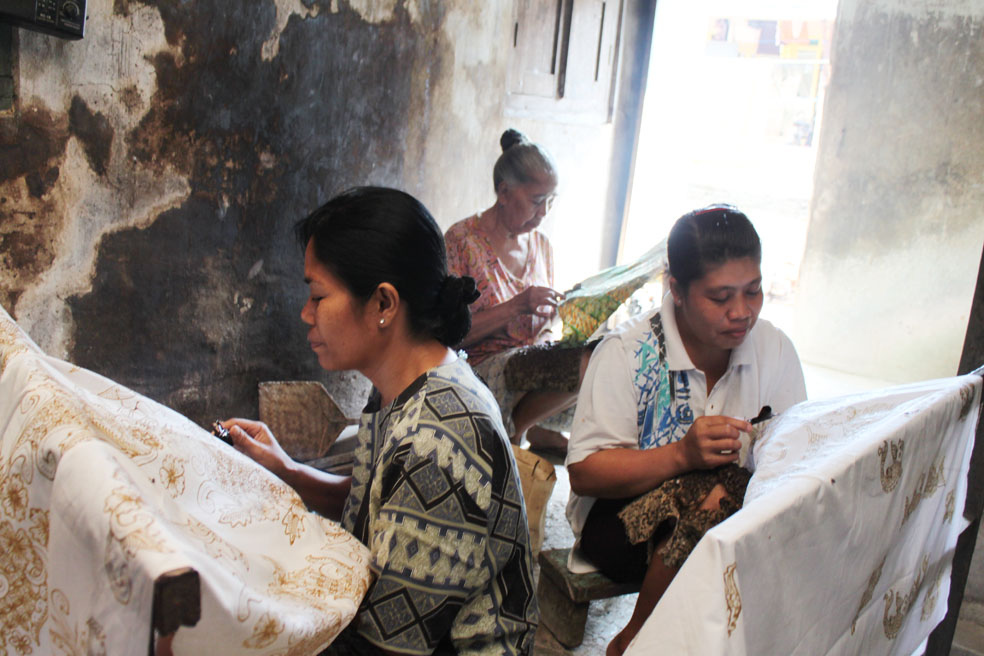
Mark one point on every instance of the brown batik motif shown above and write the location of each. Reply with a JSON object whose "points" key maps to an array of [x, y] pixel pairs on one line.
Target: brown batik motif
{"points": [[671, 513]]}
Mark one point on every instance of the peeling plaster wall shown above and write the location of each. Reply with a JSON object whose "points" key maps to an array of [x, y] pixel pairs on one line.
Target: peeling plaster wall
{"points": [[151, 172], [897, 224]]}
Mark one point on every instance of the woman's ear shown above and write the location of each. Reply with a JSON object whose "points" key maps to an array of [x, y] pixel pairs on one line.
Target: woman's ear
{"points": [[501, 190], [384, 304], [675, 290]]}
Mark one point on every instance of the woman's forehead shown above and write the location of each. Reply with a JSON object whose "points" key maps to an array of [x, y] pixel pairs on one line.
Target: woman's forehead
{"points": [[314, 269], [736, 272], [542, 185]]}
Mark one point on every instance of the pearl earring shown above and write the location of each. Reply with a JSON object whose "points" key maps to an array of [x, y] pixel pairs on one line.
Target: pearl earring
{"points": [[382, 321]]}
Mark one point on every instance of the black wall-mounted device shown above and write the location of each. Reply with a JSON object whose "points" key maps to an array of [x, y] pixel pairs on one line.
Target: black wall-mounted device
{"points": [[61, 18]]}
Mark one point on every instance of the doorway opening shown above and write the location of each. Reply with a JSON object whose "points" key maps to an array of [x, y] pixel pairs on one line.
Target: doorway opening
{"points": [[732, 114]]}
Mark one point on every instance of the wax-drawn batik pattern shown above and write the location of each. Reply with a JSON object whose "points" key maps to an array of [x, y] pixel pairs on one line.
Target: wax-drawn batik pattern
{"points": [[854, 507], [102, 490]]}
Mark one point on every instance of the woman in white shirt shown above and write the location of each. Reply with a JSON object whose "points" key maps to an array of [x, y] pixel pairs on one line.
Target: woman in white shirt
{"points": [[664, 401]]}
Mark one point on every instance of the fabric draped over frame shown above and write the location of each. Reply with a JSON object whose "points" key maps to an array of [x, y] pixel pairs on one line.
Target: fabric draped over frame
{"points": [[102, 490], [846, 539]]}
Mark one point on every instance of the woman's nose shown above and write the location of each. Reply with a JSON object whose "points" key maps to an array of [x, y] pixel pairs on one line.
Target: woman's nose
{"points": [[740, 309], [307, 313]]}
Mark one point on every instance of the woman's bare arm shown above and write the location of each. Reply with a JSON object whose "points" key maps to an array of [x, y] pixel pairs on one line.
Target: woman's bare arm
{"points": [[623, 473], [321, 492], [541, 301], [620, 473], [488, 322]]}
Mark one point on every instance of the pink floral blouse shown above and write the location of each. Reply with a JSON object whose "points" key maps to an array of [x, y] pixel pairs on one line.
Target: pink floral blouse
{"points": [[470, 254]]}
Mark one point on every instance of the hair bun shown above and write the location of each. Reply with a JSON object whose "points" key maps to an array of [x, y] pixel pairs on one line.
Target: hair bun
{"points": [[457, 291], [510, 138], [455, 296]]}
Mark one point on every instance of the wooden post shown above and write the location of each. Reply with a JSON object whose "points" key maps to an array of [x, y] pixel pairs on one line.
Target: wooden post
{"points": [[941, 639], [177, 602]]}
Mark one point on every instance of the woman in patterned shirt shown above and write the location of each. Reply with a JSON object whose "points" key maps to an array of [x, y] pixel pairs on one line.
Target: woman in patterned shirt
{"points": [[434, 492], [512, 264]]}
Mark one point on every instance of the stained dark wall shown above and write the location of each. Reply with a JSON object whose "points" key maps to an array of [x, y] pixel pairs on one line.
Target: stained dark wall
{"points": [[197, 303], [216, 283], [150, 174], [27, 146]]}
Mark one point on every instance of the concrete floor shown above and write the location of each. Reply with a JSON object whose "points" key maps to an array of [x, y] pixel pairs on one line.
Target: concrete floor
{"points": [[968, 639], [605, 617]]}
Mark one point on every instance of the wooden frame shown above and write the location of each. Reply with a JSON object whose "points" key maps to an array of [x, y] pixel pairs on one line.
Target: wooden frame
{"points": [[941, 639], [177, 603]]}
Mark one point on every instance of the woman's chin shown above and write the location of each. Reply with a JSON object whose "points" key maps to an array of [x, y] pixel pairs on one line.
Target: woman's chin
{"points": [[324, 360]]}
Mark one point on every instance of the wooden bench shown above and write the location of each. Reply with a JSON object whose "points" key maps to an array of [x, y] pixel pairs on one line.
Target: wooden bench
{"points": [[564, 597]]}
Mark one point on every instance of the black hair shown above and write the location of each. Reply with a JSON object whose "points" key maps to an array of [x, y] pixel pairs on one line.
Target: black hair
{"points": [[370, 235], [521, 161], [704, 238]]}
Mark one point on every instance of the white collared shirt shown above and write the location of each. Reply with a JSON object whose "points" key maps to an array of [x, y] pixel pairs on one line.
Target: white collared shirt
{"points": [[611, 406]]}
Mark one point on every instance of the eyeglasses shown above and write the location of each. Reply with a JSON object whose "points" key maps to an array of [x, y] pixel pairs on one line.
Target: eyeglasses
{"points": [[545, 201]]}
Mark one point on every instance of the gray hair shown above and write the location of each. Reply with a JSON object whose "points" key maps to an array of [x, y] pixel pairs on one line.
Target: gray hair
{"points": [[521, 161]]}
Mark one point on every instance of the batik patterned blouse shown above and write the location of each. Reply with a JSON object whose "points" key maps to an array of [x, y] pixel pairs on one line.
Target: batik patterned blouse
{"points": [[470, 253], [437, 499]]}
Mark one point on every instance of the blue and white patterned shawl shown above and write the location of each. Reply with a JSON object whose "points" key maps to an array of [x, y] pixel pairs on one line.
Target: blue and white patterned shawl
{"points": [[664, 412]]}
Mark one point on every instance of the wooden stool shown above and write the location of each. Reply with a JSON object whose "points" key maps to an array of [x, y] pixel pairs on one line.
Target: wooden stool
{"points": [[564, 597]]}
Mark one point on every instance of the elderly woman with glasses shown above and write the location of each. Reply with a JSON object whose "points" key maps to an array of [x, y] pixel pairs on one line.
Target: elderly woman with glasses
{"points": [[512, 264]]}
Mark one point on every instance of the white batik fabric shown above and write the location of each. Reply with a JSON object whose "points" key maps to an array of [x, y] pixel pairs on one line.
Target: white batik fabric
{"points": [[102, 490], [845, 541]]}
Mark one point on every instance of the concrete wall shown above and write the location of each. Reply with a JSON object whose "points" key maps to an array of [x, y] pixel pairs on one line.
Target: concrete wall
{"points": [[897, 220], [150, 174]]}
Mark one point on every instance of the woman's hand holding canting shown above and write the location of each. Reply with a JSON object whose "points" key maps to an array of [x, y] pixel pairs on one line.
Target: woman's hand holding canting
{"points": [[712, 441], [321, 492], [255, 440]]}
